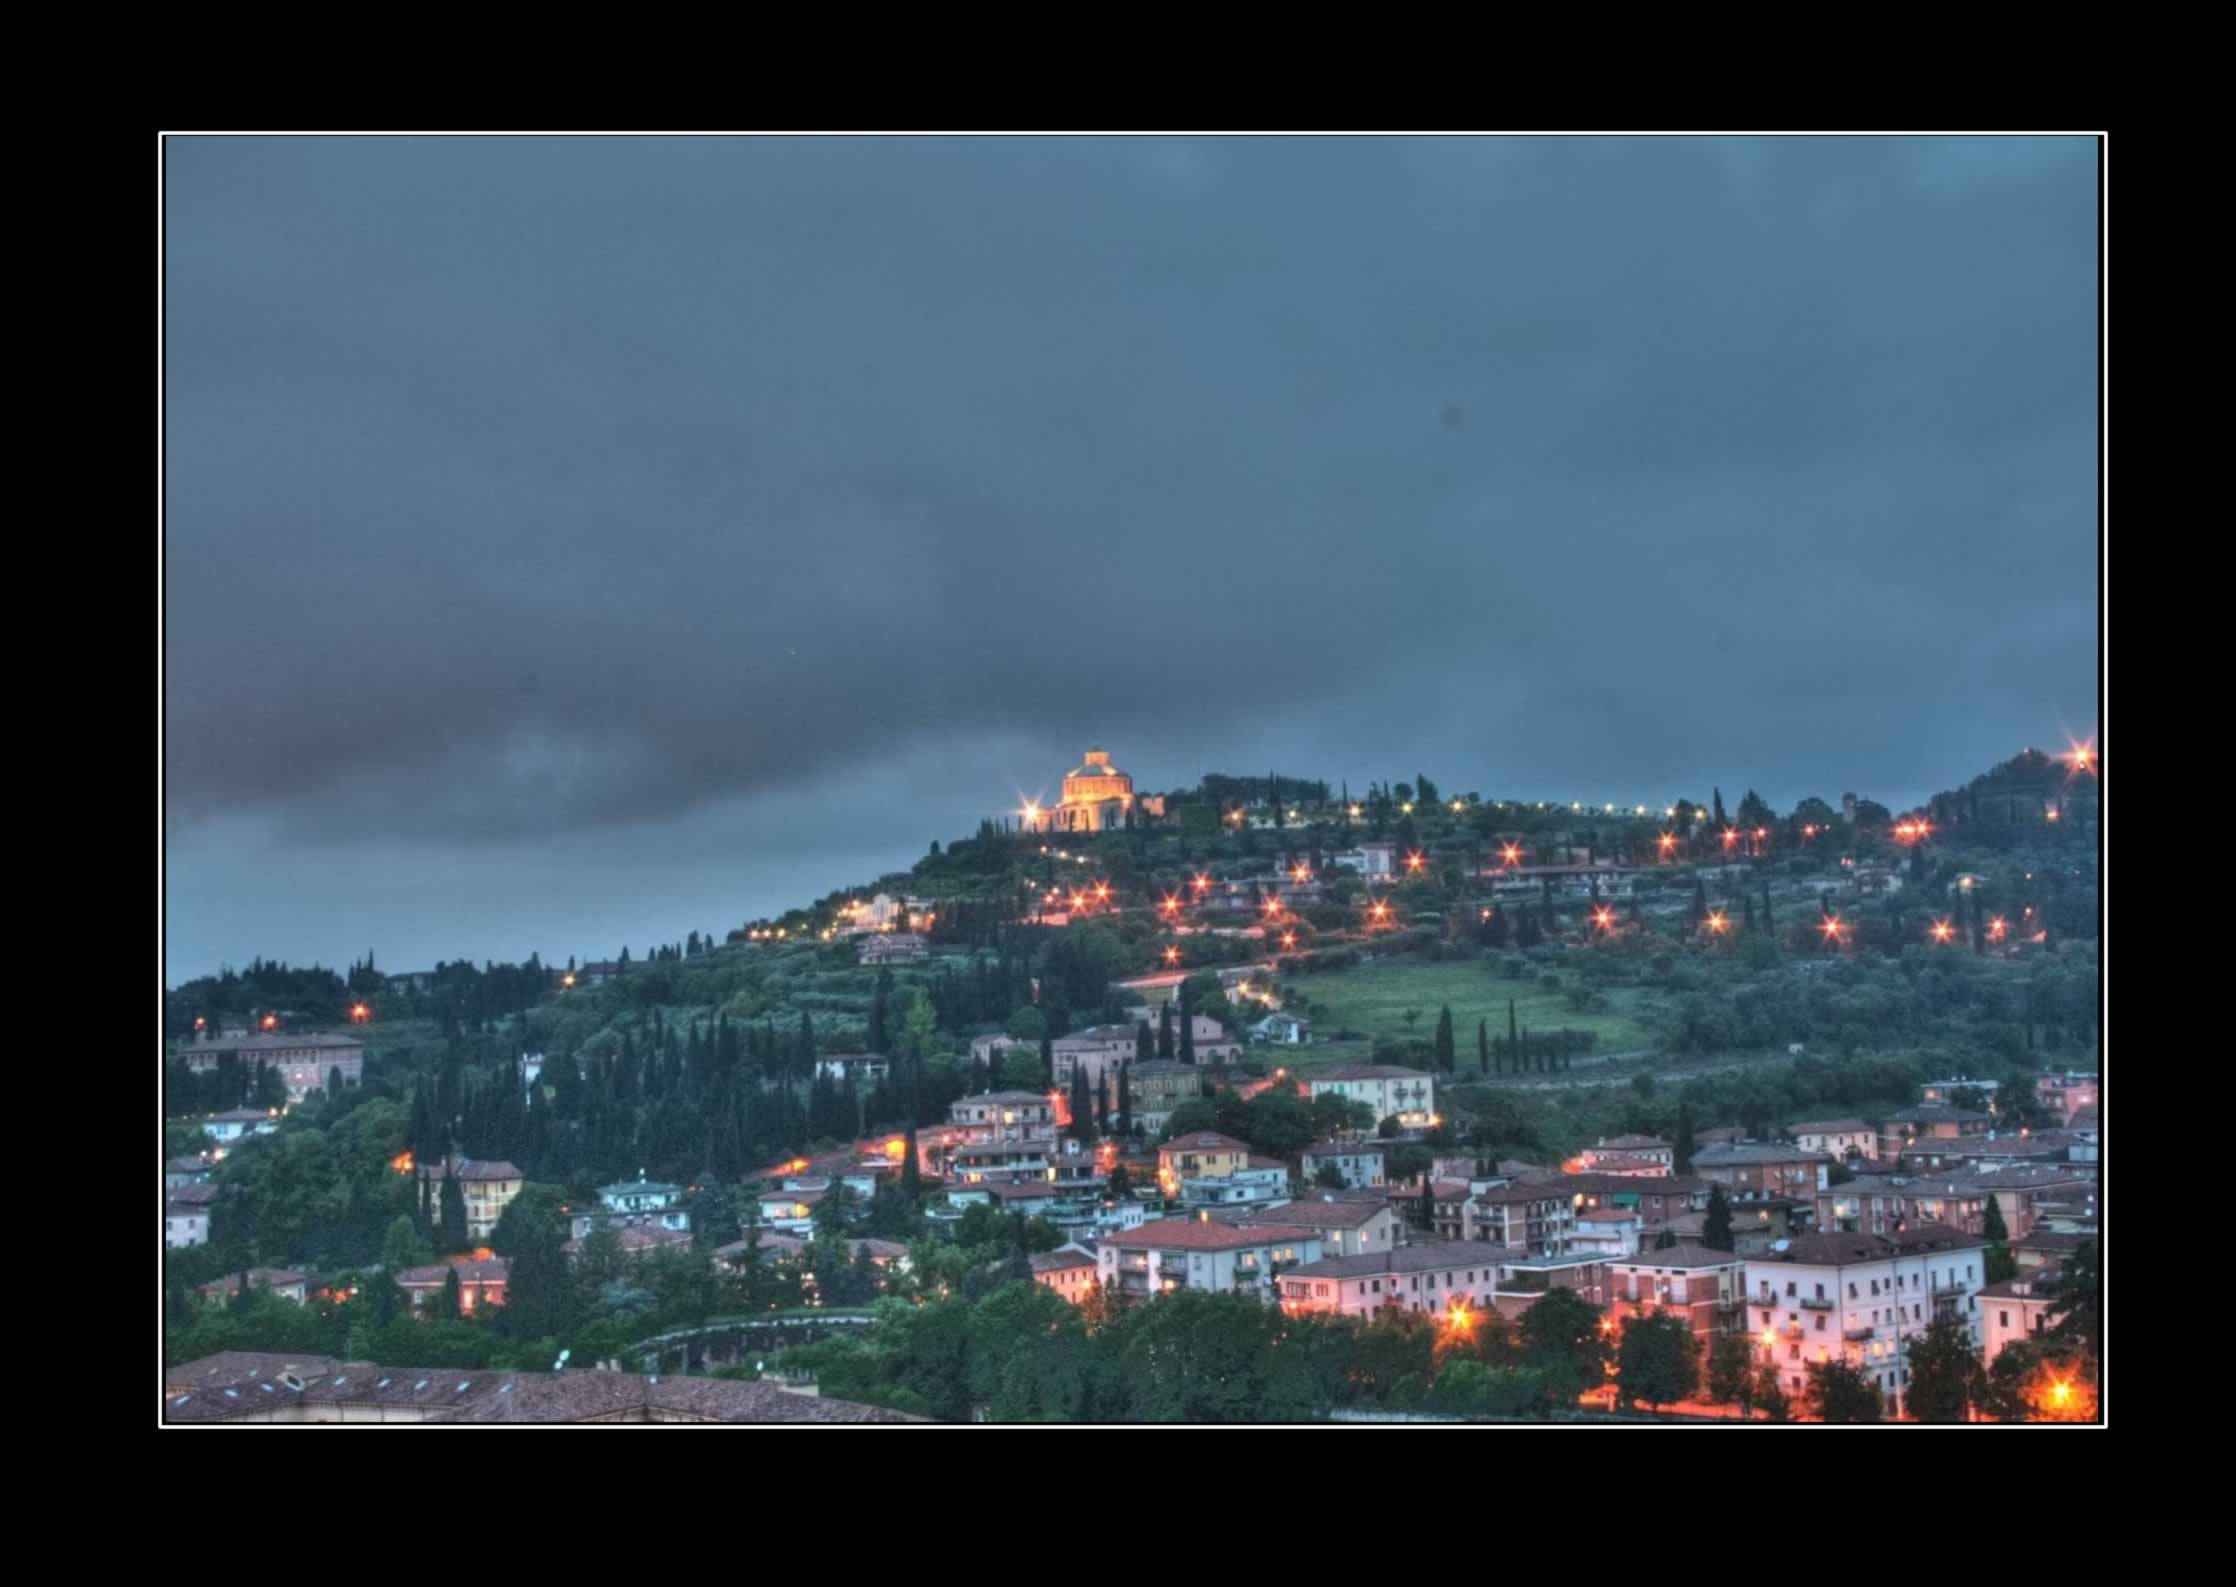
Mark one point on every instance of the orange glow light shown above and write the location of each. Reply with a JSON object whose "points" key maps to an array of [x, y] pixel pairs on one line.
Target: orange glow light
{"points": [[271, 1022], [1414, 862], [1997, 928], [1731, 836], [1172, 955], [1603, 917], [896, 1148], [1943, 931], [1102, 890], [1512, 854], [1717, 920], [1288, 939], [1171, 904], [401, 1162], [1832, 928], [1301, 874], [1201, 882], [360, 1013], [1668, 841]]}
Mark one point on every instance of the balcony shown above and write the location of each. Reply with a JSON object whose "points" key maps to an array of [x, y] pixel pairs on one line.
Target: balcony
{"points": [[1855, 1334], [1818, 1303], [1793, 1333]]}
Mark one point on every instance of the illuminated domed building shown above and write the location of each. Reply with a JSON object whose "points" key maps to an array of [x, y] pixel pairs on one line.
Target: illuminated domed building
{"points": [[1097, 796]]}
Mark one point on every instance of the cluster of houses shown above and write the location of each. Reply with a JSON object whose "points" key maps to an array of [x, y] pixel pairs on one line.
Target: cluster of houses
{"points": [[1815, 1271]]}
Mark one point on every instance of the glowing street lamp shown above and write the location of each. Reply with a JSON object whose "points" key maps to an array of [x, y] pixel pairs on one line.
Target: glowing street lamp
{"points": [[1302, 873], [359, 1013], [1031, 811], [1102, 892], [1832, 928], [1356, 812], [1171, 905], [1172, 955], [1718, 921], [271, 1022], [1201, 882], [1458, 805], [1667, 843], [1731, 836], [1511, 854], [1379, 915], [1078, 901], [1604, 918], [200, 1023], [1273, 909], [1943, 931], [1406, 808], [1414, 862], [1288, 939]]}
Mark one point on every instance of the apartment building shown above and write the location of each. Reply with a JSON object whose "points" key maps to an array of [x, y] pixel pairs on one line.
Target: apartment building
{"points": [[1202, 1254], [1859, 1298]]}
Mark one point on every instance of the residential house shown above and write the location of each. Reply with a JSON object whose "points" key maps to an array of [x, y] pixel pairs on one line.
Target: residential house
{"points": [[481, 1281], [1606, 1231], [185, 1224], [236, 1124], [1200, 1154], [1260, 1182], [1929, 1121], [1624, 1154], [789, 1211], [488, 1188], [2023, 1191], [2067, 1092], [1435, 1276], [1751, 1171], [1281, 1030], [2045, 1250], [2018, 1308], [1068, 1270], [1407, 1095], [1360, 1162], [1534, 1216], [894, 947], [1156, 1088], [1524, 1279], [179, 1172], [1656, 1199], [1349, 1223], [1842, 1140], [1704, 1287], [1202, 1254], [283, 1282], [1860, 1298], [643, 1202]]}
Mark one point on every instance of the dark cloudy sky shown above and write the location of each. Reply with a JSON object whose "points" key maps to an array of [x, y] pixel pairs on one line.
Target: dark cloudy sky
{"points": [[578, 542]]}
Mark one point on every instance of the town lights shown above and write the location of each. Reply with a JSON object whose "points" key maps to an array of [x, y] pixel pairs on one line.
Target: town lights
{"points": [[1604, 918], [1078, 901], [1460, 1321], [1356, 812], [1667, 843], [1459, 804], [1731, 836], [1998, 928], [1201, 882], [1031, 810], [1301, 874], [1171, 905], [200, 1023], [1288, 939], [1414, 861], [271, 1022], [1832, 928], [1406, 808], [1379, 914], [2083, 758], [1511, 854], [1718, 921], [359, 1013], [1273, 908], [1172, 955], [1102, 892], [1943, 931], [1808, 832]]}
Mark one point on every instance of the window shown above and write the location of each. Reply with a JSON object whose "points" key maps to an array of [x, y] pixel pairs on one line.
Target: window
{"points": [[2003, 1319], [1789, 1286], [1851, 1292]]}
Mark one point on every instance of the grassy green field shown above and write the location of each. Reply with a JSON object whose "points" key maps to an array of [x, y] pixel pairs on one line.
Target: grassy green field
{"points": [[1373, 999]]}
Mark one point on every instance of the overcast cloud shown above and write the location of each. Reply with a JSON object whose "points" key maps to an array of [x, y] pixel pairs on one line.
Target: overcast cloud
{"points": [[579, 542]]}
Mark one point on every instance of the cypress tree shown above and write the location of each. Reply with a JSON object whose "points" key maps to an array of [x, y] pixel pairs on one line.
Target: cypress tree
{"points": [[453, 1212], [1187, 1032], [1165, 1048], [1444, 1053], [1125, 1099], [1684, 1144], [1716, 1234], [1047, 1058], [452, 1306], [1483, 1045], [1145, 1044]]}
